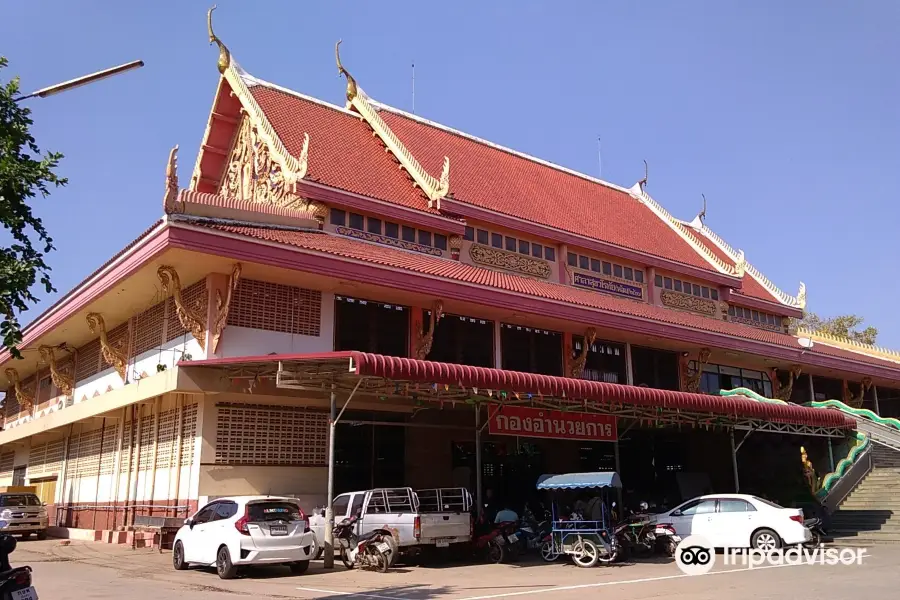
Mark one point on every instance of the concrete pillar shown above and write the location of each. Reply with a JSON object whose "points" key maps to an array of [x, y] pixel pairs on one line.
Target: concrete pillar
{"points": [[328, 553], [629, 372], [734, 464], [875, 397]]}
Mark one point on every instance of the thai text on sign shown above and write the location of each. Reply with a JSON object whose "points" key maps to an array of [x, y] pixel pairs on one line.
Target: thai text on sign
{"points": [[545, 423], [604, 285]]}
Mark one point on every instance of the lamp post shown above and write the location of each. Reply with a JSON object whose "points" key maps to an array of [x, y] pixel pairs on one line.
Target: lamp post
{"points": [[80, 81]]}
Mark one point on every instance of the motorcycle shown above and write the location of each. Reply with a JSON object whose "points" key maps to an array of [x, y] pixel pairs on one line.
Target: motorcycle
{"points": [[14, 583], [499, 543], [639, 534], [818, 532], [532, 533], [366, 550]]}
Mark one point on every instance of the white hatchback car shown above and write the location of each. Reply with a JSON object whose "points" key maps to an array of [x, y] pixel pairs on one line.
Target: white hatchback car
{"points": [[738, 521], [245, 530]]}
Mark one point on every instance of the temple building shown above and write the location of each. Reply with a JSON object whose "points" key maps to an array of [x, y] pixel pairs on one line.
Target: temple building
{"points": [[476, 315]]}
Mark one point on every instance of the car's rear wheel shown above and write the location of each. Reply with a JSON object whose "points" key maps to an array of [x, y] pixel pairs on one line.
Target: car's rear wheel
{"points": [[224, 567], [765, 540], [300, 567], [178, 557], [42, 535]]}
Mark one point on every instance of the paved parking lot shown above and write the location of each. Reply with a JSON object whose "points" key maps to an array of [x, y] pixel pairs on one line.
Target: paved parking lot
{"points": [[93, 571]]}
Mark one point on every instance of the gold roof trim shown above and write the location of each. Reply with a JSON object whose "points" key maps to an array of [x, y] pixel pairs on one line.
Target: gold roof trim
{"points": [[848, 344], [293, 167], [434, 188]]}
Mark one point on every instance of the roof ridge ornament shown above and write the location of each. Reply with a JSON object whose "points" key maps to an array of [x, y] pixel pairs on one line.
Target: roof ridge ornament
{"points": [[171, 196], [643, 182], [848, 344], [293, 168], [433, 187], [224, 54]]}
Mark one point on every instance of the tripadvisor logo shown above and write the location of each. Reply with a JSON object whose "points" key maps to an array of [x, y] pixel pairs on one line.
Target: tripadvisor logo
{"points": [[696, 556], [795, 555]]}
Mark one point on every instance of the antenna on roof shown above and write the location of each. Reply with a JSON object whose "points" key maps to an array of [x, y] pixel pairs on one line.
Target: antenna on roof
{"points": [[702, 214], [643, 182], [414, 86], [600, 156]]}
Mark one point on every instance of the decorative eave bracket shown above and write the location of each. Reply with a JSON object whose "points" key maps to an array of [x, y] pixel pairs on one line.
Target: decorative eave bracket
{"points": [[223, 306], [424, 340], [23, 396], [63, 381], [293, 168], [434, 188], [115, 357], [189, 318]]}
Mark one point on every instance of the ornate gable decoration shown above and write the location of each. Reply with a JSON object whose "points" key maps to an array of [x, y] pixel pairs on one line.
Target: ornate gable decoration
{"points": [[260, 168], [434, 188], [254, 173]]}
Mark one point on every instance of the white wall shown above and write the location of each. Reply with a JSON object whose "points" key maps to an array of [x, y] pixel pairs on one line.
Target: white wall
{"points": [[243, 341], [168, 354]]}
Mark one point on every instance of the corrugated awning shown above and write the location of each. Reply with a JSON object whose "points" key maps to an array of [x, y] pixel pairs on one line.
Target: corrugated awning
{"points": [[579, 481], [395, 376]]}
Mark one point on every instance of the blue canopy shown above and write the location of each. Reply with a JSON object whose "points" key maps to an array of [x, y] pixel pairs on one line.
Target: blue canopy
{"points": [[575, 481]]}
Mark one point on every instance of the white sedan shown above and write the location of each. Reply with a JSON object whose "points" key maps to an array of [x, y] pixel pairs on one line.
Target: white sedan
{"points": [[738, 521], [245, 530]]}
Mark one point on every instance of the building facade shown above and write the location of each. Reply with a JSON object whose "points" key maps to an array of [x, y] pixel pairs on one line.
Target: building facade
{"points": [[203, 359]]}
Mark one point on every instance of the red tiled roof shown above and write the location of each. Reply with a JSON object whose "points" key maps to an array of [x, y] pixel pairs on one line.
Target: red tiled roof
{"points": [[465, 273], [749, 285], [343, 154]]}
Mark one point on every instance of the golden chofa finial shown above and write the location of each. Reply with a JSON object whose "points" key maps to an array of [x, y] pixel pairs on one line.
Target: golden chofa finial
{"points": [[224, 54], [351, 83]]}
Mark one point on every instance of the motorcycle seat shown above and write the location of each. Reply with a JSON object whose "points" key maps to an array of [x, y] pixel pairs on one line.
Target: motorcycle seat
{"points": [[10, 573], [368, 535]]}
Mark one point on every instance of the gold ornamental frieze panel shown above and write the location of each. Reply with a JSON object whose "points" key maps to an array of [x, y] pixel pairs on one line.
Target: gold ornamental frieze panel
{"points": [[509, 261], [681, 301]]}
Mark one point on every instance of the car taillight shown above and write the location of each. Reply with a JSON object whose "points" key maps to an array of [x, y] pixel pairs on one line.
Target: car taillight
{"points": [[417, 527], [241, 525], [23, 578], [797, 518]]}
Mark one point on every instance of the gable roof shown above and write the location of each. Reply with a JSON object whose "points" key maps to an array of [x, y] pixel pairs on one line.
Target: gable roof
{"points": [[344, 154]]}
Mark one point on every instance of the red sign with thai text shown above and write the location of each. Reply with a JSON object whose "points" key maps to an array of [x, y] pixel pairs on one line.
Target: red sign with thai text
{"points": [[556, 424]]}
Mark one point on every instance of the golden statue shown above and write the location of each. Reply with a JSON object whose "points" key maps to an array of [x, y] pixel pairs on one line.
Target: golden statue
{"points": [[809, 472]]}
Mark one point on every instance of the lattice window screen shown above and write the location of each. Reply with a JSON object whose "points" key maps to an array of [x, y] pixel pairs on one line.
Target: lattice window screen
{"points": [[276, 307], [87, 360], [148, 328], [195, 298], [88, 454], [108, 457], [118, 338], [148, 422], [45, 459], [270, 435], [45, 391], [7, 461], [168, 420], [189, 432]]}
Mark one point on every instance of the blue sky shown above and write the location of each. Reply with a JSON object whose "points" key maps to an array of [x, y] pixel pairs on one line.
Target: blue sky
{"points": [[786, 115]]}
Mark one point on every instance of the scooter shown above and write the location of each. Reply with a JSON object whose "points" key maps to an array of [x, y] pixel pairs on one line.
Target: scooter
{"points": [[14, 583], [499, 543], [366, 550], [818, 532]]}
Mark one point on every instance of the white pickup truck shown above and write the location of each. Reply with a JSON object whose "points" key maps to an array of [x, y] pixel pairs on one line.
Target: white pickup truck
{"points": [[435, 517]]}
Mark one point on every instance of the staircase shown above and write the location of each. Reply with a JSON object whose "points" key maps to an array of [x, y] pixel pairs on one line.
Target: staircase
{"points": [[870, 514]]}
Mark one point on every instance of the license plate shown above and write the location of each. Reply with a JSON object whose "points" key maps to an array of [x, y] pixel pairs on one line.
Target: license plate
{"points": [[26, 594], [278, 529], [513, 538], [442, 543], [383, 547]]}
